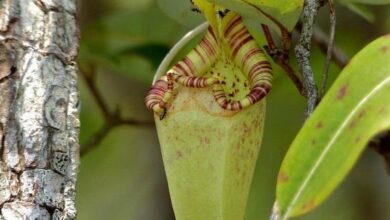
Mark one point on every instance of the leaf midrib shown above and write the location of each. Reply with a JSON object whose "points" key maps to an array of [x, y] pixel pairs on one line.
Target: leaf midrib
{"points": [[331, 142]]}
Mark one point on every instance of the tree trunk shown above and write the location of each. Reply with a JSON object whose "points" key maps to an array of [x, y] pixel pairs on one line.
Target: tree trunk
{"points": [[39, 124]]}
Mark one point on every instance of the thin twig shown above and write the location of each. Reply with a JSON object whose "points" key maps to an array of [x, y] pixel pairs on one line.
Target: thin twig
{"points": [[286, 35], [322, 41], [290, 72], [303, 51], [332, 30], [114, 120], [133, 122], [280, 57], [111, 119], [89, 75], [96, 139]]}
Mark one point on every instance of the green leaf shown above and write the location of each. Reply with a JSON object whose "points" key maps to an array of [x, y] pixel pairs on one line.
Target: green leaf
{"points": [[137, 63], [282, 5], [112, 33], [371, 2], [181, 12], [354, 110], [361, 10], [152, 52], [126, 43], [130, 5], [287, 13]]}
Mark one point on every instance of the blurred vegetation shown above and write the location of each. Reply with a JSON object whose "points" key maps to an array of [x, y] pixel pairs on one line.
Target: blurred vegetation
{"points": [[123, 177]]}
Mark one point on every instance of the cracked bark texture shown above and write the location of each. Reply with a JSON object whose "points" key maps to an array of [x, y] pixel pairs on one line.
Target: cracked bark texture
{"points": [[39, 124]]}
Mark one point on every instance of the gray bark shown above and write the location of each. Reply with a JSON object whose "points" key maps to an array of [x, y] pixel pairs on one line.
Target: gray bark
{"points": [[303, 53], [39, 124]]}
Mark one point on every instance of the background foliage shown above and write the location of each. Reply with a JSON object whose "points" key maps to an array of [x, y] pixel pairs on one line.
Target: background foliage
{"points": [[123, 177]]}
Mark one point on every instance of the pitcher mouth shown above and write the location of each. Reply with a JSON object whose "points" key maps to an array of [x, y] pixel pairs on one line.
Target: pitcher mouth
{"points": [[167, 61]]}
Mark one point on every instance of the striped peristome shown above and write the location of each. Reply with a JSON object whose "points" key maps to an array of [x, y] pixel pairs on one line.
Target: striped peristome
{"points": [[230, 43], [186, 72]]}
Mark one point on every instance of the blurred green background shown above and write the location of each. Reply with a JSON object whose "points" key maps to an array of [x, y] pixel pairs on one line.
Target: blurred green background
{"points": [[123, 177]]}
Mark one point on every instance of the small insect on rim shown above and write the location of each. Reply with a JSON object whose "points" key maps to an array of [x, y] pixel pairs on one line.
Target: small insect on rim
{"points": [[163, 114]]}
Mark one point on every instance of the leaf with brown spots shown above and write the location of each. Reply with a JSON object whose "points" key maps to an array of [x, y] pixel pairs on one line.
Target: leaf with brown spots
{"points": [[354, 110], [385, 48], [342, 92]]}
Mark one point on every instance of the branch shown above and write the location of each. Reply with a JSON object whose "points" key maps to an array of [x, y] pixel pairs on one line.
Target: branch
{"points": [[111, 119], [322, 41], [89, 74], [39, 114], [280, 57], [332, 30], [114, 120], [302, 51]]}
